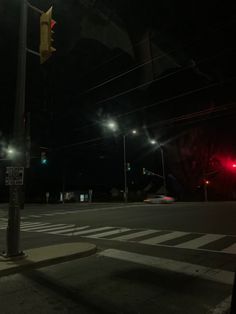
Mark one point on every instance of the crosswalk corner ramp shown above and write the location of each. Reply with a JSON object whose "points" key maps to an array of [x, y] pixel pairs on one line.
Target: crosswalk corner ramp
{"points": [[47, 256]]}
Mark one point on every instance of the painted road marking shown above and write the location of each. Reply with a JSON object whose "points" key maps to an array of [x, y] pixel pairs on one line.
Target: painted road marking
{"points": [[164, 237], [134, 235], [68, 230], [54, 228], [40, 226], [222, 307], [126, 234], [108, 233], [92, 230], [74, 232], [201, 241], [217, 275], [230, 249]]}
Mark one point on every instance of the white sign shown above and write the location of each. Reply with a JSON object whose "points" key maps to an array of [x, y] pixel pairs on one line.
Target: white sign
{"points": [[14, 176]]}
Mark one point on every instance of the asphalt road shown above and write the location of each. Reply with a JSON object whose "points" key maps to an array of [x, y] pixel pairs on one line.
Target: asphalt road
{"points": [[176, 258]]}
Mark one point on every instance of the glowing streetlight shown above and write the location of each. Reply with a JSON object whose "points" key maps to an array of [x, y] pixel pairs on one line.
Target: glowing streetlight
{"points": [[11, 152], [112, 125], [153, 142]]}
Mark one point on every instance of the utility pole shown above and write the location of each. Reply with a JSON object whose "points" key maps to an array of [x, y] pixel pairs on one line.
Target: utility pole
{"points": [[125, 170], [205, 191], [163, 169], [16, 191]]}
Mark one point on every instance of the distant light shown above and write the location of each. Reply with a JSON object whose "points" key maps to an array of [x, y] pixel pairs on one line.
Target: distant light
{"points": [[134, 131], [11, 151], [153, 142], [234, 165], [112, 125], [207, 182]]}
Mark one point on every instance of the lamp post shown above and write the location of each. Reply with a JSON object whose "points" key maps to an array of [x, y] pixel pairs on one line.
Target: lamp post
{"points": [[125, 170], [114, 127], [153, 142], [125, 165]]}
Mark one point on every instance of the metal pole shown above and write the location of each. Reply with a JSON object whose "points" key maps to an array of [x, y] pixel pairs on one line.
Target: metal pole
{"points": [[163, 169], [233, 300], [125, 171], [16, 191], [205, 192], [63, 183]]}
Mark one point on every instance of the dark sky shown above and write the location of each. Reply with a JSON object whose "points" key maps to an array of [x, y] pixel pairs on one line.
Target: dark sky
{"points": [[143, 63]]}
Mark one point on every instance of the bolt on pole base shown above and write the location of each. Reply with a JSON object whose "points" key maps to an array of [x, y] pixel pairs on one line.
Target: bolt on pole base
{"points": [[8, 257]]}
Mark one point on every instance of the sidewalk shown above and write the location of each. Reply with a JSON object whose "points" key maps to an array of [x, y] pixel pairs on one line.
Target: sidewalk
{"points": [[46, 256]]}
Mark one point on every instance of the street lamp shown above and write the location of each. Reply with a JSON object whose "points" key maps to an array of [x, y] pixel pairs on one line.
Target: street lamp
{"points": [[10, 151], [113, 126], [125, 164], [154, 142]]}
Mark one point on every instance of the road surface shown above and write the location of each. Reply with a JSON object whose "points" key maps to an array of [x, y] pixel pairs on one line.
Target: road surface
{"points": [[177, 258]]}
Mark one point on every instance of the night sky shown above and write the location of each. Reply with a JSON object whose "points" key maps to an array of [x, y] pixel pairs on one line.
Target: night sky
{"points": [[166, 68]]}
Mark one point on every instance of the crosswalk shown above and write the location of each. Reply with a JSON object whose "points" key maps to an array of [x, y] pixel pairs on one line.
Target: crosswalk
{"points": [[167, 238]]}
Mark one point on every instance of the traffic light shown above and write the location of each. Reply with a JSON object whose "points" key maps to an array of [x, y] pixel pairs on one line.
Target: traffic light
{"points": [[46, 32], [128, 166], [44, 160]]}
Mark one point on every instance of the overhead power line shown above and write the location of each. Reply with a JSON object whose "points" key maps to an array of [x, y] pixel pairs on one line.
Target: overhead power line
{"points": [[186, 117], [140, 86], [166, 54]]}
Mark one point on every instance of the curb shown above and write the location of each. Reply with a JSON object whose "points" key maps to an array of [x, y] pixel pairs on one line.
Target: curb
{"points": [[46, 256]]}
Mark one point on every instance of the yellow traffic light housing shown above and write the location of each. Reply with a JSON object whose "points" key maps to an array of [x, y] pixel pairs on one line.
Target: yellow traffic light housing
{"points": [[46, 26]]}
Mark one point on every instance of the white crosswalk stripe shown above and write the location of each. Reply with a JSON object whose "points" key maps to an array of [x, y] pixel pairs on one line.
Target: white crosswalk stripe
{"points": [[44, 228], [231, 249], [38, 227], [194, 270], [73, 229], [199, 241], [134, 235], [108, 233], [164, 237], [91, 230]]}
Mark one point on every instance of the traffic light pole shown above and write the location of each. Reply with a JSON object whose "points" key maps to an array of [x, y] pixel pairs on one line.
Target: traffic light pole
{"points": [[16, 191]]}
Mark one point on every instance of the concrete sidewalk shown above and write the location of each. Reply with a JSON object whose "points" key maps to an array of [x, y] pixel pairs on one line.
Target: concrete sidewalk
{"points": [[46, 256]]}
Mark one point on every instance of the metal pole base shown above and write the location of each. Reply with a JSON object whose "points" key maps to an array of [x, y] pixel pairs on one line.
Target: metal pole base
{"points": [[17, 256]]}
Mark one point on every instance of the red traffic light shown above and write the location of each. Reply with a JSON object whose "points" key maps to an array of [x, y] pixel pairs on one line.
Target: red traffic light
{"points": [[53, 22]]}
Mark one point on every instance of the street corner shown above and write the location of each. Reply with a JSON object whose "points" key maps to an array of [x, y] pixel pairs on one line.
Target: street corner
{"points": [[45, 256]]}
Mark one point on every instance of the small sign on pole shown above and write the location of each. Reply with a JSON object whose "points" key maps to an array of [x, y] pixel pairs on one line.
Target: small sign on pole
{"points": [[14, 176]]}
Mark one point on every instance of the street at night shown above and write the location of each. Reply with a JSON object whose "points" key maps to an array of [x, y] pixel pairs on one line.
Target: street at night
{"points": [[147, 254], [117, 157]]}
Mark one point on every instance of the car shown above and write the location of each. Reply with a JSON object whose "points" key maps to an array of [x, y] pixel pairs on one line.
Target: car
{"points": [[159, 199]]}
